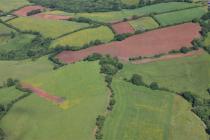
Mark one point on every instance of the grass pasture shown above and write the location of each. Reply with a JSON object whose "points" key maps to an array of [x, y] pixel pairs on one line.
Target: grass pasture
{"points": [[207, 40], [23, 69], [180, 16], [126, 13], [141, 113], [18, 42], [8, 5], [83, 37], [182, 74], [8, 94], [130, 2], [5, 30], [144, 23], [6, 18], [82, 86], [48, 28]]}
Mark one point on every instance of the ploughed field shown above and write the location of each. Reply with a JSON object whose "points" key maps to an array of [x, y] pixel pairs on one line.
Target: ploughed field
{"points": [[149, 43]]}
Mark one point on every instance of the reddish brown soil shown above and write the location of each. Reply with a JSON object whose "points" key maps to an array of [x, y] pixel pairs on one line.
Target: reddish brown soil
{"points": [[169, 57], [149, 43], [23, 11], [53, 17], [43, 94], [122, 28]]}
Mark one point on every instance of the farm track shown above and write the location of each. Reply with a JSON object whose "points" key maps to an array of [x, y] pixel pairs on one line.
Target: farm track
{"points": [[149, 43], [43, 94], [169, 57]]}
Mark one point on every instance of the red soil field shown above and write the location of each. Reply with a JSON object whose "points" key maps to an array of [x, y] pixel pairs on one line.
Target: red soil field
{"points": [[53, 17], [41, 93], [146, 44], [122, 28], [169, 57], [23, 11]]}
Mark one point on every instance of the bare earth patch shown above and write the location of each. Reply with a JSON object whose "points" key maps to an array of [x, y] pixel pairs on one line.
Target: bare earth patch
{"points": [[149, 43], [23, 11], [122, 28], [43, 94]]}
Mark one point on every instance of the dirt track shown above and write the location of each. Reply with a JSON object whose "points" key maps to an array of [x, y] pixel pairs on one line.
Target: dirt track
{"points": [[169, 57], [149, 43], [43, 94]]}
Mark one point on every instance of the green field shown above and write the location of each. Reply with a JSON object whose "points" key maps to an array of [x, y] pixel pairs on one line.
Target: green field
{"points": [[130, 2], [48, 28], [207, 40], [6, 18], [126, 13], [83, 37], [18, 42], [182, 74], [180, 16], [8, 5], [36, 118], [23, 69], [5, 30], [145, 23], [141, 113], [9, 94]]}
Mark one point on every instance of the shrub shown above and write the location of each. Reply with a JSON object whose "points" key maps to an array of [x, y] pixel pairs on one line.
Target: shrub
{"points": [[184, 50], [208, 90], [33, 12], [108, 79], [136, 80], [154, 86], [10, 82], [93, 57]]}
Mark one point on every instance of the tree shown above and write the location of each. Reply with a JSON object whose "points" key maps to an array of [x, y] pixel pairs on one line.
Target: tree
{"points": [[11, 82], [154, 86], [208, 90], [136, 80], [2, 108]]}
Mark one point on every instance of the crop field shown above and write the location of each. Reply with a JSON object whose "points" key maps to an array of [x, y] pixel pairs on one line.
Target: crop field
{"points": [[141, 113], [18, 42], [144, 23], [141, 44], [182, 74], [8, 5], [126, 13], [48, 28], [180, 16], [84, 100], [23, 69], [78, 39]]}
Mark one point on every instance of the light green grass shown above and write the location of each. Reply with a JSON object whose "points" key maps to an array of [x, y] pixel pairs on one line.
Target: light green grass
{"points": [[18, 42], [23, 69], [207, 40], [144, 23], [8, 94], [126, 13], [180, 16], [6, 18], [181, 74], [48, 28], [36, 118], [5, 30], [8, 5], [130, 2], [141, 113], [83, 37]]}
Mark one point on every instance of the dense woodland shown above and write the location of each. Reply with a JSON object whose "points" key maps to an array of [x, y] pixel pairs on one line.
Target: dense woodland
{"points": [[94, 5]]}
